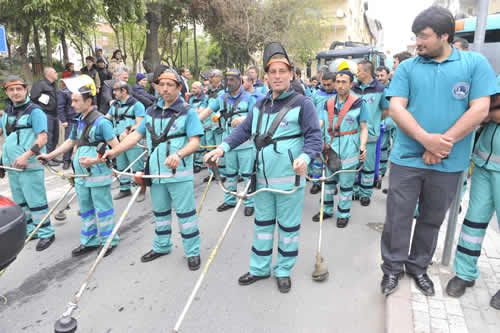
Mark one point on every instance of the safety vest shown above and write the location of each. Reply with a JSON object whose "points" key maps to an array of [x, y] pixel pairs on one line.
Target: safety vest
{"points": [[487, 150], [273, 166], [343, 131], [85, 132], [20, 136], [163, 141]]}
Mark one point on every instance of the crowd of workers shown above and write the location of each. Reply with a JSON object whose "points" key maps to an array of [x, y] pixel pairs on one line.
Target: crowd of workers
{"points": [[423, 113]]}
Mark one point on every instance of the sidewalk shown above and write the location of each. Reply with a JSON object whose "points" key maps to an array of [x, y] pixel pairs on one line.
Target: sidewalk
{"points": [[408, 310]]}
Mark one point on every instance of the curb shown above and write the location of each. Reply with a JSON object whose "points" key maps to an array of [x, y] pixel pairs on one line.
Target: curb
{"points": [[398, 309]]}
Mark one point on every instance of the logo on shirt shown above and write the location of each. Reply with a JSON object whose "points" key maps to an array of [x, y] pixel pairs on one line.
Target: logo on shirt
{"points": [[284, 123], [174, 127], [349, 120], [461, 90], [370, 99]]}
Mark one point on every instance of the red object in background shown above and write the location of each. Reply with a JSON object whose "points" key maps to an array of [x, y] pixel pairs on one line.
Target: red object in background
{"points": [[4, 201]]}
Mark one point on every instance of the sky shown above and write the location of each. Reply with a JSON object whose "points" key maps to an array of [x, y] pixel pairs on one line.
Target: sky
{"points": [[396, 17]]}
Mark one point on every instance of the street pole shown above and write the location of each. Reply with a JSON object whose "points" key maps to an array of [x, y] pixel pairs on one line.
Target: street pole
{"points": [[479, 36]]}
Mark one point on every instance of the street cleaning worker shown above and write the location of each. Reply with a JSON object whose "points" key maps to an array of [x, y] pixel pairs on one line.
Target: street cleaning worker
{"points": [[126, 113], [373, 93], [323, 94], [233, 107], [198, 100], [484, 201], [214, 134], [172, 130], [25, 127], [345, 132], [284, 123], [94, 192]]}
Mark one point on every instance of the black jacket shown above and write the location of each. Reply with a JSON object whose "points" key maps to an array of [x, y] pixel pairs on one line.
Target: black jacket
{"points": [[44, 87], [65, 111], [104, 74], [106, 95], [139, 93]]}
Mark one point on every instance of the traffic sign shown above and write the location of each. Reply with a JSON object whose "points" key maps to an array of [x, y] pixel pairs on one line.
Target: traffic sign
{"points": [[3, 40]]}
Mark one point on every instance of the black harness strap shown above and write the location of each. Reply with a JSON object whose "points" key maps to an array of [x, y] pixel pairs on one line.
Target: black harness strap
{"points": [[266, 139], [9, 128], [119, 117], [228, 115], [157, 139], [89, 121]]}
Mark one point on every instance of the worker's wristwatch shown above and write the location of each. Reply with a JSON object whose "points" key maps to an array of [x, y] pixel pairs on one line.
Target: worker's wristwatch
{"points": [[178, 153]]}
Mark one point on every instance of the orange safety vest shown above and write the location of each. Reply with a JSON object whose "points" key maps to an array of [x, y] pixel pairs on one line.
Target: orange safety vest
{"points": [[330, 106]]}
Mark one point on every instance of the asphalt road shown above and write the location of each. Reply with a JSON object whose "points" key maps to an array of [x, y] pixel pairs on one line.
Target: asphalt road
{"points": [[126, 295]]}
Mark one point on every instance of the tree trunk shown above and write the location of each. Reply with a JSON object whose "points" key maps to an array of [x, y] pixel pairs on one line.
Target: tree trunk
{"points": [[48, 40], [153, 19], [11, 65], [23, 52], [196, 68], [64, 47], [124, 50], [36, 41]]}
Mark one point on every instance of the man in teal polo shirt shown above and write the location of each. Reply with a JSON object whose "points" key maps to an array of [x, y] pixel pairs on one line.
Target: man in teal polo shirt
{"points": [[437, 99]]}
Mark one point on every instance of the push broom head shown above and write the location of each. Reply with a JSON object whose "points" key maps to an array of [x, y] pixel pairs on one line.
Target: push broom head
{"points": [[320, 272]]}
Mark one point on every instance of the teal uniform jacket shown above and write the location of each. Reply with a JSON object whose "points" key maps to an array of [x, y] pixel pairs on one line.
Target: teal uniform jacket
{"points": [[201, 102], [320, 98], [125, 114], [228, 114], [374, 96], [32, 122], [438, 95], [101, 131], [274, 169], [187, 124]]}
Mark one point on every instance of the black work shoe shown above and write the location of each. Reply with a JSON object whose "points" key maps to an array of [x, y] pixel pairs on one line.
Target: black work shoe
{"points": [[66, 165], [249, 211], [364, 201], [315, 189], [44, 243], [194, 263], [456, 286], [152, 255], [248, 278], [206, 179], [315, 218], [390, 282], [108, 251], [284, 284], [385, 191], [495, 301], [355, 197], [224, 207], [424, 283], [342, 222], [122, 194], [196, 169], [82, 249]]}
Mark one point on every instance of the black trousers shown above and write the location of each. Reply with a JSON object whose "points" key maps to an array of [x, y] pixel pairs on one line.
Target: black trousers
{"points": [[434, 191], [52, 132]]}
